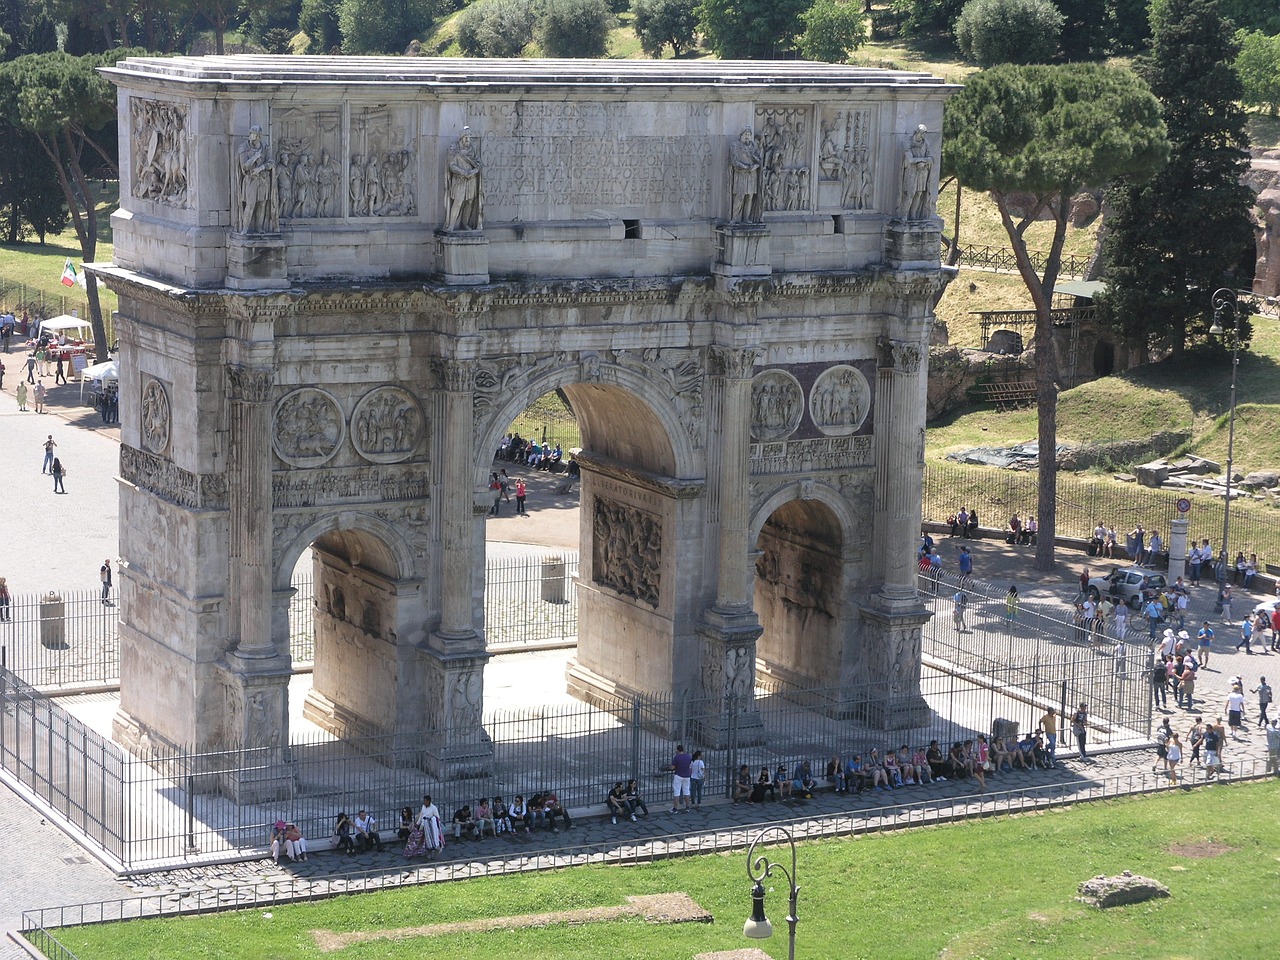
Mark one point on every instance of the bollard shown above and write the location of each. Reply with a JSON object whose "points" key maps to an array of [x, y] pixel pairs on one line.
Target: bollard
{"points": [[53, 622], [553, 580]]}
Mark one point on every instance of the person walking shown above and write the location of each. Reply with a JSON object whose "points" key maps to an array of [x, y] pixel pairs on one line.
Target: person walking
{"points": [[104, 575], [58, 473], [1011, 603], [1205, 636], [1049, 724], [59, 374], [4, 601], [520, 495], [39, 394], [1263, 690], [49, 446], [31, 367], [1173, 757], [959, 602], [21, 395], [965, 565], [1246, 635], [1160, 682]]}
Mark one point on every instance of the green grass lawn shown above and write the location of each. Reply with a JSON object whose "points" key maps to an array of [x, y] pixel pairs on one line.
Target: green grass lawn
{"points": [[998, 888]]}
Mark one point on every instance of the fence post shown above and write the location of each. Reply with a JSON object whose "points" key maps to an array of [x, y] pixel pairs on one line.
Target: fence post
{"points": [[635, 737]]}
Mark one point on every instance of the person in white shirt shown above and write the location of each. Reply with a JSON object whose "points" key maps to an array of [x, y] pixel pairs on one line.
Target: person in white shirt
{"points": [[1235, 710], [367, 831]]}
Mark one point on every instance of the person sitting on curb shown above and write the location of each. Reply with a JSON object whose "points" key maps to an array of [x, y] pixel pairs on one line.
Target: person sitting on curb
{"points": [[367, 831], [286, 838], [484, 816], [802, 783], [634, 800], [463, 822], [501, 817], [343, 831], [616, 801], [742, 785], [782, 783]]}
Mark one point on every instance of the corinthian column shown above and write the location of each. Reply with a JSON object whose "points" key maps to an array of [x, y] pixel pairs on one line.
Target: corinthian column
{"points": [[733, 585], [899, 431], [457, 501], [249, 476]]}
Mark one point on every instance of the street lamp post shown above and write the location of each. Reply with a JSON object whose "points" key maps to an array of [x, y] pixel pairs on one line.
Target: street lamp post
{"points": [[1225, 299], [759, 869]]}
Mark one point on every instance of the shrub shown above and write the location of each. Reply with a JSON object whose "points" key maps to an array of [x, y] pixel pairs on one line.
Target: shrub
{"points": [[1008, 31]]}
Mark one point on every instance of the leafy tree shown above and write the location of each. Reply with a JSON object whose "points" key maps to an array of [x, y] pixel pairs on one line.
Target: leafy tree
{"points": [[1084, 28], [318, 19], [1261, 15], [1173, 240], [30, 198], [66, 104], [1129, 26], [219, 14], [271, 24], [832, 30], [1046, 132], [751, 29], [1008, 31], [496, 28], [574, 28], [1258, 66], [925, 19], [661, 22], [383, 26]]}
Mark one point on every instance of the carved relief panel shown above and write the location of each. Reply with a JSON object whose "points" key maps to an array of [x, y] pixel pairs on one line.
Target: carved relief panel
{"points": [[308, 169], [386, 425], [846, 157], [308, 427], [156, 421], [159, 134], [777, 404], [839, 401], [627, 550], [383, 163], [784, 135]]}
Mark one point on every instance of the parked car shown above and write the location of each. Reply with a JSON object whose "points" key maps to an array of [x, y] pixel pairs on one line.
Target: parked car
{"points": [[1129, 585], [1267, 606]]}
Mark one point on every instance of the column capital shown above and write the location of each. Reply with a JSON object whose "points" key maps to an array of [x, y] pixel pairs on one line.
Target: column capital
{"points": [[249, 384], [456, 376], [734, 363], [903, 356]]}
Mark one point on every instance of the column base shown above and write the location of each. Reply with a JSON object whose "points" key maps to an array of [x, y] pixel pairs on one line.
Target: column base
{"points": [[891, 669], [913, 243], [256, 735], [729, 679], [463, 257]]}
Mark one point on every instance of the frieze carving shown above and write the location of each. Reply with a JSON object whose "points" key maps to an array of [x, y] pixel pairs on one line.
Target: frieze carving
{"points": [[159, 151], [308, 172], [465, 690], [156, 421], [844, 156], [734, 363], [308, 427], [166, 480], [683, 371], [342, 485], [783, 134], [383, 163], [627, 550], [840, 400], [777, 404], [804, 456], [739, 673], [386, 425], [251, 386]]}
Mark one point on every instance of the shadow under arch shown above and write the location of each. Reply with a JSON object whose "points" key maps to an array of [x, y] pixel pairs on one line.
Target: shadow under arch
{"points": [[620, 413], [806, 492], [381, 547]]}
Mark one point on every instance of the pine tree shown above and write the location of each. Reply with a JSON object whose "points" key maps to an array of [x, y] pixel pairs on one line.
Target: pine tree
{"points": [[1175, 238]]}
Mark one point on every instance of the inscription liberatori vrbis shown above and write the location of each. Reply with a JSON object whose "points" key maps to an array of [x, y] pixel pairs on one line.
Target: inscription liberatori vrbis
{"points": [[586, 154]]}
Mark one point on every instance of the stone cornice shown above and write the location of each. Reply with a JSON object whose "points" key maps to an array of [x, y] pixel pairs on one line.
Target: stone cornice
{"points": [[645, 479]]}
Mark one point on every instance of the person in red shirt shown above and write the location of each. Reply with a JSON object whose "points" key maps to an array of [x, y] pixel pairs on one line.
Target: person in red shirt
{"points": [[1275, 629]]}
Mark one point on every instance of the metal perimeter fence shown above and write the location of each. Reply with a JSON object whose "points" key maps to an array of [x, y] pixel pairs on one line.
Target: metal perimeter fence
{"points": [[38, 304], [182, 807], [1084, 501], [70, 641], [38, 925]]}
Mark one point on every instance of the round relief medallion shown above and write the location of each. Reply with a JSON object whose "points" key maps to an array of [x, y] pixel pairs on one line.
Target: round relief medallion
{"points": [[840, 400], [308, 427], [386, 425], [156, 420], [777, 403]]}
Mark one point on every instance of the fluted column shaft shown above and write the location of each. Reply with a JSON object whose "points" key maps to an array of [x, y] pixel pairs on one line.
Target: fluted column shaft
{"points": [[733, 585], [457, 516], [899, 458], [250, 489]]}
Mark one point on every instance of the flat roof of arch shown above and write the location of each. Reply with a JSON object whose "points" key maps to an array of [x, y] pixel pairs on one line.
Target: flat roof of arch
{"points": [[252, 69]]}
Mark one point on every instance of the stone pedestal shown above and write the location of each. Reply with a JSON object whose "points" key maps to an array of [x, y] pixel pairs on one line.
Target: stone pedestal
{"points": [[456, 746], [729, 679], [892, 670], [463, 257], [257, 262], [742, 250], [257, 722], [913, 243]]}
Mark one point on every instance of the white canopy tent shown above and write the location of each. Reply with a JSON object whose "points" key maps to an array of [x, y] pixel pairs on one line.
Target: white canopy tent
{"points": [[66, 324], [107, 372]]}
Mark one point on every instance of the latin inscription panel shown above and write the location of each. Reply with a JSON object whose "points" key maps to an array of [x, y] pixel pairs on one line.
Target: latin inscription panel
{"points": [[570, 160]]}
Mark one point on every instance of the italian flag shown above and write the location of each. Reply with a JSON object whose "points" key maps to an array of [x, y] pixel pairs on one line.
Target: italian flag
{"points": [[69, 275]]}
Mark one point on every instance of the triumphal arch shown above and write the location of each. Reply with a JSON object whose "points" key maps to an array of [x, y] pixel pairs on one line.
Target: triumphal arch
{"points": [[341, 278]]}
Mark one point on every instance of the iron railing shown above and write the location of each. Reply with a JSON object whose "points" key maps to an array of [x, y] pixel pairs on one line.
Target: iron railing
{"points": [[531, 601], [1001, 260]]}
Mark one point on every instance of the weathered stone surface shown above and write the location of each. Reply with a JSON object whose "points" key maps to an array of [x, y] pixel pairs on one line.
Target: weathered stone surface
{"points": [[1152, 474], [1005, 341], [1261, 478], [1123, 451], [1122, 890]]}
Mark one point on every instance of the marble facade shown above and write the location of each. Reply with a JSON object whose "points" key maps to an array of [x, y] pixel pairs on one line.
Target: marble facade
{"points": [[341, 278]]}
